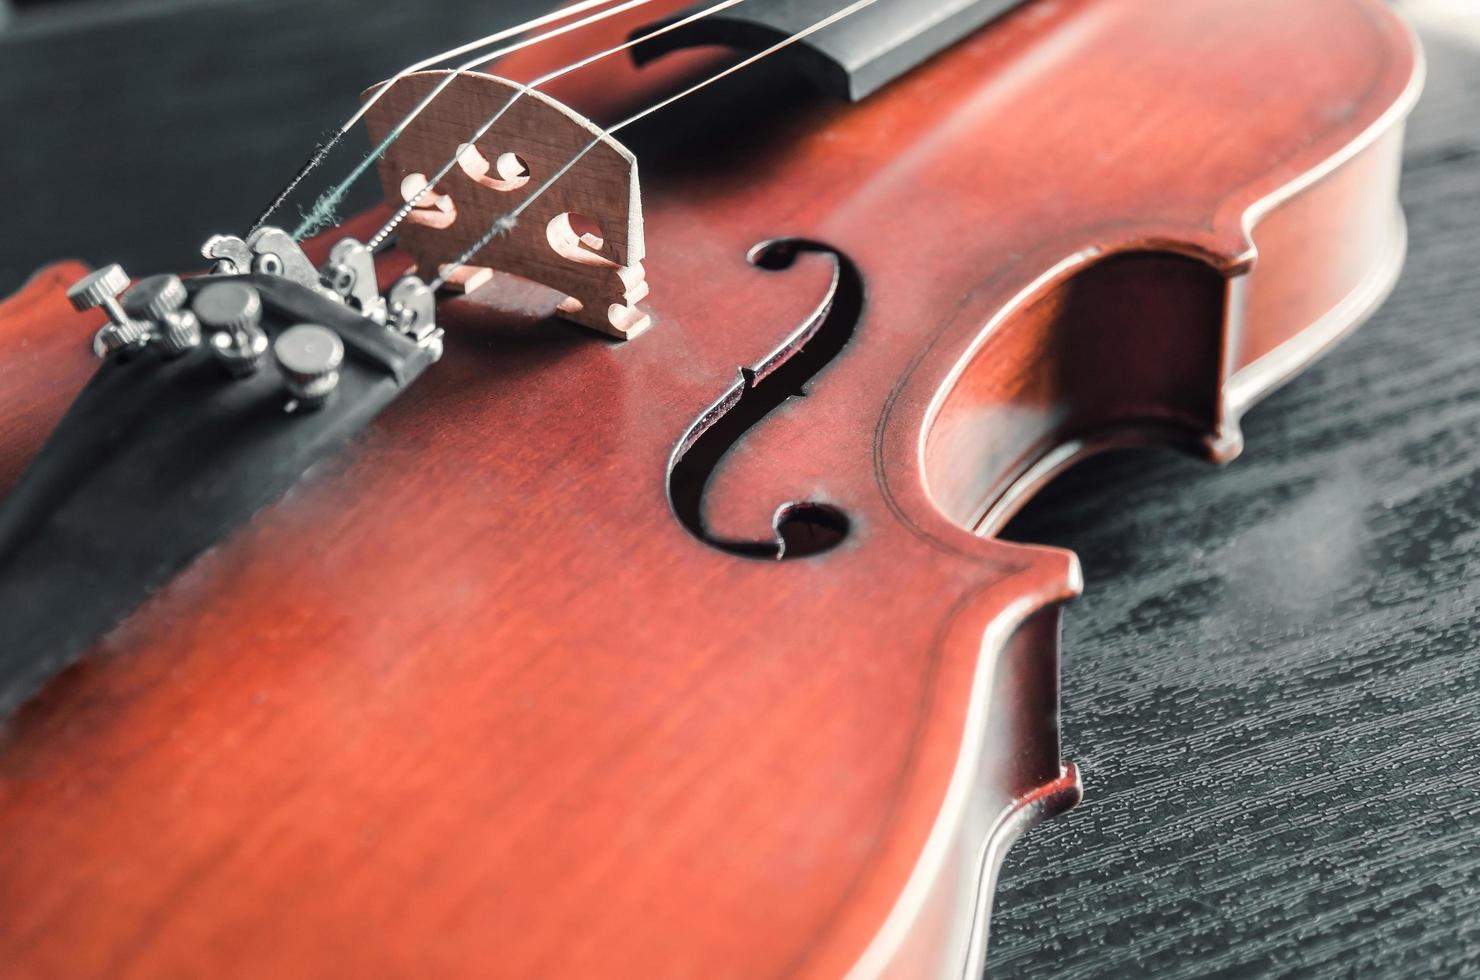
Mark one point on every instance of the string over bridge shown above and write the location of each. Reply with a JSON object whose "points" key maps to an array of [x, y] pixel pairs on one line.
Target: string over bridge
{"points": [[582, 236]]}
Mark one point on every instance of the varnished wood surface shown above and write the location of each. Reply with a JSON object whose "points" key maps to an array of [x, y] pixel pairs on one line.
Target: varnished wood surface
{"points": [[1271, 680], [1159, 799]]}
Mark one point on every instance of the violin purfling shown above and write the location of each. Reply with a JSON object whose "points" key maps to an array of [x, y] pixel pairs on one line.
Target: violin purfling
{"points": [[633, 605]]}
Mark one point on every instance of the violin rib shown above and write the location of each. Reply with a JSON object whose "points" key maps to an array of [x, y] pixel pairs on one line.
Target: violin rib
{"points": [[473, 699]]}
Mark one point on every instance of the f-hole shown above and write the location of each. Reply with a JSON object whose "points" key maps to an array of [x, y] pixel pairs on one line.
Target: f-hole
{"points": [[802, 528]]}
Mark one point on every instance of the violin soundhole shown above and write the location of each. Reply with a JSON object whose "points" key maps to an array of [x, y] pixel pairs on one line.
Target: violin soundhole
{"points": [[802, 528]]}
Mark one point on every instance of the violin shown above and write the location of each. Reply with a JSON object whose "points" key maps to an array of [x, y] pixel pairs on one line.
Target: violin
{"points": [[587, 562]]}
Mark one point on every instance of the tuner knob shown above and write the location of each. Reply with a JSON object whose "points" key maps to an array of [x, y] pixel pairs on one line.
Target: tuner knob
{"points": [[179, 333], [234, 311], [309, 356], [229, 306], [154, 297], [160, 299], [117, 336], [100, 289]]}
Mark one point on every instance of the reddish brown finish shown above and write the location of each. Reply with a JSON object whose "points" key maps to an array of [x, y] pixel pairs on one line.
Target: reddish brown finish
{"points": [[471, 702]]}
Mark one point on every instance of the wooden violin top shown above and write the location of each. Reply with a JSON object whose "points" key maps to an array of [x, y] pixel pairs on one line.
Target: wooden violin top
{"points": [[472, 699]]}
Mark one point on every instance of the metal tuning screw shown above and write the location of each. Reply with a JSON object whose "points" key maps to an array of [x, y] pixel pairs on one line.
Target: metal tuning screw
{"points": [[233, 312], [412, 310], [350, 275], [308, 356], [160, 299], [101, 289], [152, 298], [275, 253], [267, 251], [232, 256]]}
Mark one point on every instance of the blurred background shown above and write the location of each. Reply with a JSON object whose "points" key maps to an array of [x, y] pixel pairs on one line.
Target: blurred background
{"points": [[1272, 682], [132, 130]]}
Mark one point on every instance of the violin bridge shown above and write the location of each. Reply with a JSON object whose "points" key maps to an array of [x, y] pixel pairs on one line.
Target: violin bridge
{"points": [[581, 236], [464, 279]]}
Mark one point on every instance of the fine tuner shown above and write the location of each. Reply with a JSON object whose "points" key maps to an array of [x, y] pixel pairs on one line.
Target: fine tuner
{"points": [[577, 227], [228, 313]]}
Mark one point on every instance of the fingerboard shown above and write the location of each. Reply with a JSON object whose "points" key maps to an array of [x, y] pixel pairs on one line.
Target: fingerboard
{"points": [[850, 59]]}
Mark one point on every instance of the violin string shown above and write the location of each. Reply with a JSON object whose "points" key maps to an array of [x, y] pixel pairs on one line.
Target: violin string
{"points": [[322, 150], [322, 212], [504, 224], [446, 168]]}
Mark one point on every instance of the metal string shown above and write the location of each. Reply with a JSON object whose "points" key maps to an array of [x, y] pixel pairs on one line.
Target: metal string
{"points": [[322, 150], [491, 121], [506, 223], [322, 212]]}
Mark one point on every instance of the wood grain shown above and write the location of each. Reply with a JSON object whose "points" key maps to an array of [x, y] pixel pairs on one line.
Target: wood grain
{"points": [[1270, 681], [596, 266], [336, 775]]}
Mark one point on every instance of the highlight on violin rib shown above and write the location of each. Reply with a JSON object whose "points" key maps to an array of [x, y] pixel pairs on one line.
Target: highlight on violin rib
{"points": [[412, 204], [504, 223], [322, 151], [323, 209]]}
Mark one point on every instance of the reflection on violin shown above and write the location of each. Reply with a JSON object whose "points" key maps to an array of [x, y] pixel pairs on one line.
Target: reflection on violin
{"points": [[406, 594]]}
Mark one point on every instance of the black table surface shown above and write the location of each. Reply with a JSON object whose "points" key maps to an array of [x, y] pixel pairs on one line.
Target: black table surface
{"points": [[1271, 683]]}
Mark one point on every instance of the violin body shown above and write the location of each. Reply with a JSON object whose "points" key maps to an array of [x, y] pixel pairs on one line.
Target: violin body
{"points": [[612, 659]]}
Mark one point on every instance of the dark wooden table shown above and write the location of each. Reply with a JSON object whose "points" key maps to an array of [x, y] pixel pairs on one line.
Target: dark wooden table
{"points": [[1271, 683]]}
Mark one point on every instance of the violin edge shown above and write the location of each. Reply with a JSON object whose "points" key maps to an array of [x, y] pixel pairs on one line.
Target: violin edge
{"points": [[1369, 161]]}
